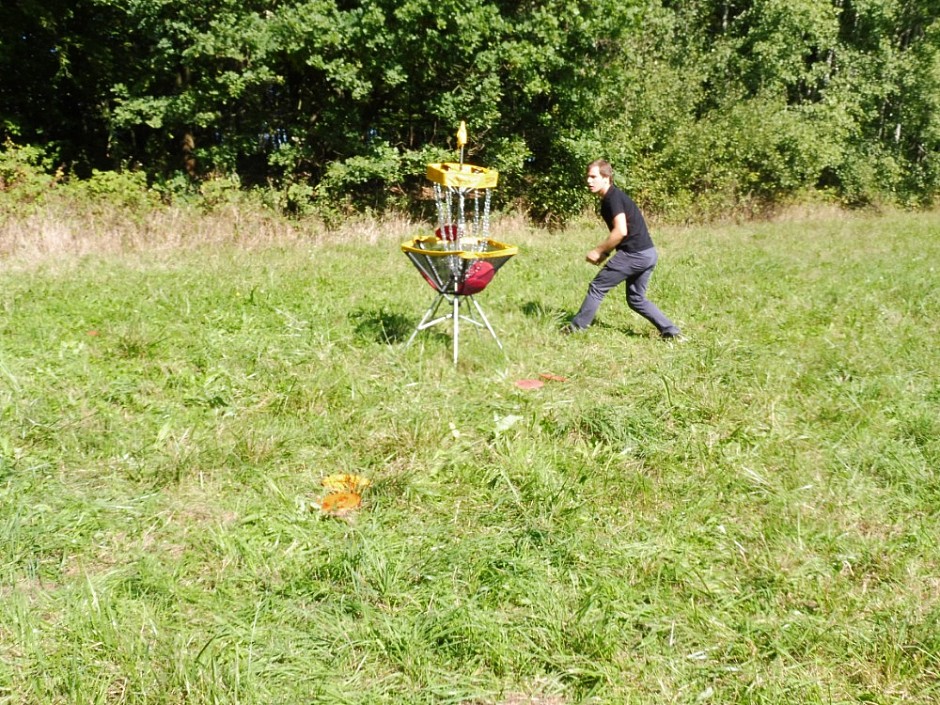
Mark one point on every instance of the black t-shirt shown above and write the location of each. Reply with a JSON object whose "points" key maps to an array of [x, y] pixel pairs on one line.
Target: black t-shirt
{"points": [[616, 202]]}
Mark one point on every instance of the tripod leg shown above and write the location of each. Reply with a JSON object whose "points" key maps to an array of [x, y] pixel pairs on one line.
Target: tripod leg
{"points": [[456, 327], [430, 312], [488, 326]]}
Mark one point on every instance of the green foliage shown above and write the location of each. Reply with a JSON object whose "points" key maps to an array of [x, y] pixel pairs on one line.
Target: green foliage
{"points": [[369, 174], [775, 99], [24, 173], [702, 105], [124, 189], [220, 192], [758, 152]]}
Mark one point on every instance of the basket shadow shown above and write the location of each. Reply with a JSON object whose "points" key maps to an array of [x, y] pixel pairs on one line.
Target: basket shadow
{"points": [[382, 326]]}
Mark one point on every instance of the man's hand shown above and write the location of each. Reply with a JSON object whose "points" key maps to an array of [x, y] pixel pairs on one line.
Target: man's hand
{"points": [[596, 256]]}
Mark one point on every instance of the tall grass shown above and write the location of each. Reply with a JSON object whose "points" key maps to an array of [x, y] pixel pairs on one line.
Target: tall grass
{"points": [[748, 517]]}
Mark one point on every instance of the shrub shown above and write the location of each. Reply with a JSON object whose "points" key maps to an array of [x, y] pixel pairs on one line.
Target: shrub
{"points": [[25, 173]]}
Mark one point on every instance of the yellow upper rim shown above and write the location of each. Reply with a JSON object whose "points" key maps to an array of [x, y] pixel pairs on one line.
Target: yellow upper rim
{"points": [[462, 175]]}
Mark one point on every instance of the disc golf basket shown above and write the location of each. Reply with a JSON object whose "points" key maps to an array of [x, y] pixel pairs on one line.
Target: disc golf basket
{"points": [[460, 259]]}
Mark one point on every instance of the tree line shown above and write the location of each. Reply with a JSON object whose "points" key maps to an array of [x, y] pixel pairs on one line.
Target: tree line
{"points": [[337, 105]]}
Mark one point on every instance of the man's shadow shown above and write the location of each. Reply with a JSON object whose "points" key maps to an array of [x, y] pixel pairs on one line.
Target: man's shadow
{"points": [[536, 309], [559, 318]]}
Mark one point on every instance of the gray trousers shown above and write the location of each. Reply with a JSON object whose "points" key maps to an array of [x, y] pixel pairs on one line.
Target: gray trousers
{"points": [[634, 268]]}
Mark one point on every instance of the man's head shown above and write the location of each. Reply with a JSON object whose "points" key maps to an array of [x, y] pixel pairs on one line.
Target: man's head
{"points": [[600, 176]]}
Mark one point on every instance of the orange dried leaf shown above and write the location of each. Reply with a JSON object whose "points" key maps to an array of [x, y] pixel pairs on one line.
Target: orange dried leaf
{"points": [[346, 482], [529, 383], [340, 503], [552, 377]]}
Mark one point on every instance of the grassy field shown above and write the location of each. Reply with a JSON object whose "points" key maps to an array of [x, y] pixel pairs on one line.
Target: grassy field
{"points": [[747, 517]]}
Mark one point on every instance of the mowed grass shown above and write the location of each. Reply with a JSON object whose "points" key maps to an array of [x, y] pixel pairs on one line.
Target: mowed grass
{"points": [[747, 517]]}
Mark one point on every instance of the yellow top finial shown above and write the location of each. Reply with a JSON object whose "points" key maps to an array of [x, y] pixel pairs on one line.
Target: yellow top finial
{"points": [[462, 134]]}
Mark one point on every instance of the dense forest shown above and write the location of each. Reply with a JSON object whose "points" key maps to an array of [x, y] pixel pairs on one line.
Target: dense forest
{"points": [[337, 105]]}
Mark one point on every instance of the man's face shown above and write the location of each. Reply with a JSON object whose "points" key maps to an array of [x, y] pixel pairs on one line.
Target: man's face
{"points": [[597, 183]]}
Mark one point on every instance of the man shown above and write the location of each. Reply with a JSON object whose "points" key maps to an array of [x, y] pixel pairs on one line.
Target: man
{"points": [[634, 256]]}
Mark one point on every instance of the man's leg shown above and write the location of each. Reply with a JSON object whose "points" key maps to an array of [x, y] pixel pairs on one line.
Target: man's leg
{"points": [[606, 279], [642, 266]]}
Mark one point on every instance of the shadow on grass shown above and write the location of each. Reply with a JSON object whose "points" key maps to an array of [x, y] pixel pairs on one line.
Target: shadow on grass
{"points": [[632, 332], [536, 309], [561, 316], [383, 326]]}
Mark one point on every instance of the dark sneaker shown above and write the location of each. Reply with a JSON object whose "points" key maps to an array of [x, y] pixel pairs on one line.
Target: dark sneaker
{"points": [[673, 334], [569, 329]]}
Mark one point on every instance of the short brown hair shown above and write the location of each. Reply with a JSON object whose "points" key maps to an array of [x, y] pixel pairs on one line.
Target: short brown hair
{"points": [[603, 168]]}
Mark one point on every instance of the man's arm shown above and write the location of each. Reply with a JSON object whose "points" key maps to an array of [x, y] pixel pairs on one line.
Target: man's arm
{"points": [[617, 234]]}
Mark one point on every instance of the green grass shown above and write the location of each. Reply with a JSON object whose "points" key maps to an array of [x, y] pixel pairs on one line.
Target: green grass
{"points": [[748, 517]]}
